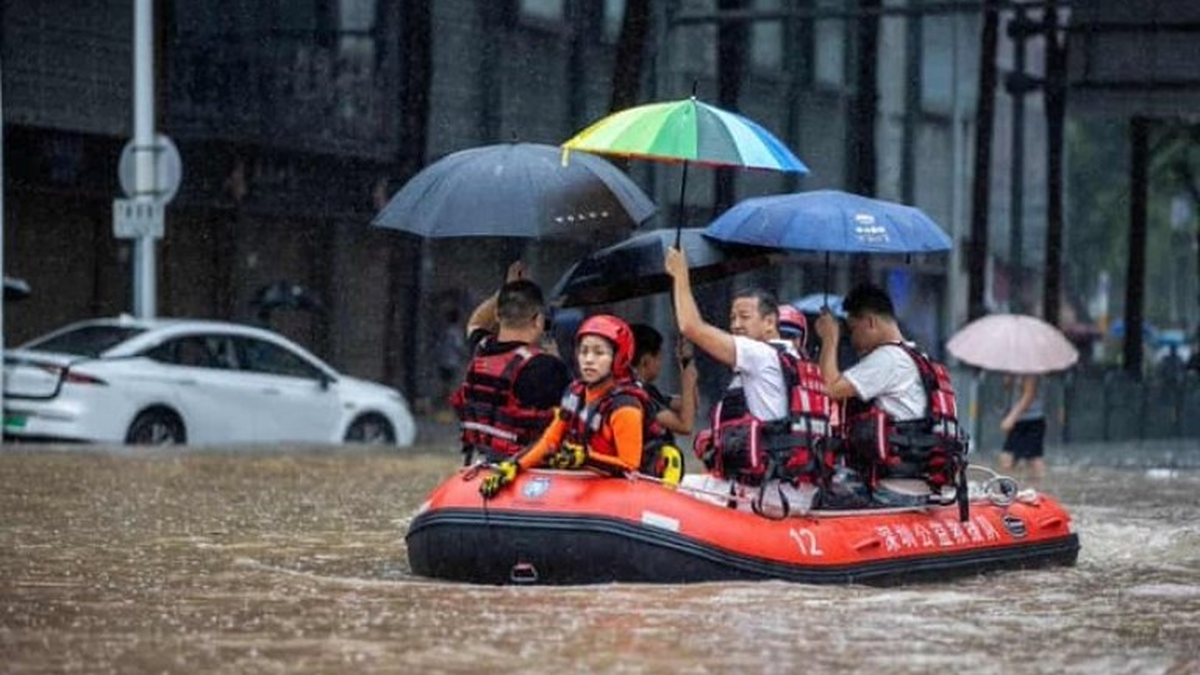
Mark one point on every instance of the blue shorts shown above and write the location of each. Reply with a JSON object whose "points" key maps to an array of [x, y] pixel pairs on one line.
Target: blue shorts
{"points": [[1027, 439]]}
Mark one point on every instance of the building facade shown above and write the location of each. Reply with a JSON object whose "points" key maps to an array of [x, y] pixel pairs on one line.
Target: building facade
{"points": [[287, 115]]}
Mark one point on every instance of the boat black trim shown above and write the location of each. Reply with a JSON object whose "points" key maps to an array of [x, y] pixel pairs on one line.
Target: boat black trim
{"points": [[567, 548]]}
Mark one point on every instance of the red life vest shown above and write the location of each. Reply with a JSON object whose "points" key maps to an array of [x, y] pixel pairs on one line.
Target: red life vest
{"points": [[491, 417], [745, 448], [585, 421], [932, 448]]}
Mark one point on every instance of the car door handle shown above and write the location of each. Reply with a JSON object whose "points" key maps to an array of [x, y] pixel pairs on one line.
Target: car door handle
{"points": [[270, 391], [189, 381]]}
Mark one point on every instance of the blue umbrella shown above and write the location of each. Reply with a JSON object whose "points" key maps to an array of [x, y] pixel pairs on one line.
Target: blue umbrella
{"points": [[813, 303], [1117, 330], [829, 221], [1171, 337]]}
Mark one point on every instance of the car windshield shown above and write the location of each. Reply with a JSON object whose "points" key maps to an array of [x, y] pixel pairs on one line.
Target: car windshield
{"points": [[86, 340]]}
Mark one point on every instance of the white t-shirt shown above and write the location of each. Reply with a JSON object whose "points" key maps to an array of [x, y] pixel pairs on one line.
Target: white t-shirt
{"points": [[890, 377], [757, 371]]}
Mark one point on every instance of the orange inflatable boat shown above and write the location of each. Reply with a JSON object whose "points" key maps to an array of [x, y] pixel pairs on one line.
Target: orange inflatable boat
{"points": [[559, 527]]}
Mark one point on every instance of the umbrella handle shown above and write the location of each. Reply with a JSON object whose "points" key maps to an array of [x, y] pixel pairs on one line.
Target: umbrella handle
{"points": [[682, 195], [825, 298]]}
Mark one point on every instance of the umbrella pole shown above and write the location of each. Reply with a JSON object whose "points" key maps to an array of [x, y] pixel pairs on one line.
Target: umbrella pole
{"points": [[682, 193], [826, 298]]}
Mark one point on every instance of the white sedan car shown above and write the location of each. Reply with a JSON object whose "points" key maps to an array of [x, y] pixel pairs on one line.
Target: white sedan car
{"points": [[162, 381]]}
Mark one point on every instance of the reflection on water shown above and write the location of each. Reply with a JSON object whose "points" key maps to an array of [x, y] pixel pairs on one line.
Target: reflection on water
{"points": [[272, 562]]}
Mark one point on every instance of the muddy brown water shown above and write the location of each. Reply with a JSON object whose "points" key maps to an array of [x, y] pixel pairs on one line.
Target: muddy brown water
{"points": [[120, 561]]}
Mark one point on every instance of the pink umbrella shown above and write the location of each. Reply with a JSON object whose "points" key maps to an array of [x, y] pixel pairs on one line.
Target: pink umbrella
{"points": [[1013, 343]]}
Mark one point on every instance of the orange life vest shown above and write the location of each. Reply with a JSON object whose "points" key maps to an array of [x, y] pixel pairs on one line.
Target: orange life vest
{"points": [[585, 421]]}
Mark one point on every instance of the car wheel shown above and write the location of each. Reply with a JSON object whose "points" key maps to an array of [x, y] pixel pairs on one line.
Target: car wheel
{"points": [[156, 426], [371, 430]]}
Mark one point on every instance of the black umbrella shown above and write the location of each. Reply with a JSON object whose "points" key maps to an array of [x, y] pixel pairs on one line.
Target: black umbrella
{"points": [[516, 190], [15, 289], [635, 267], [284, 294]]}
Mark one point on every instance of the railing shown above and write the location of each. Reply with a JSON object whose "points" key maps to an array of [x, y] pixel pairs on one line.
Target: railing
{"points": [[1093, 406]]}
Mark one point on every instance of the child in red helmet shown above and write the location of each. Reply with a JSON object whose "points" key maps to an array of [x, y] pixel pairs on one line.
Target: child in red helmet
{"points": [[601, 420]]}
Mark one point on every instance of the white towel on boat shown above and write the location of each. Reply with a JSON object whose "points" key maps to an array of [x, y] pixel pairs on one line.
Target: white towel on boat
{"points": [[710, 488]]}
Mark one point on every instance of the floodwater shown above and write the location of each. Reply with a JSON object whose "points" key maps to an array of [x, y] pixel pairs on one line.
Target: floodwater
{"points": [[123, 561]]}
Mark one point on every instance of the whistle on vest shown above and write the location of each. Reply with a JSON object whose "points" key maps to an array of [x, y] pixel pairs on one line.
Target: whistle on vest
{"points": [[671, 460]]}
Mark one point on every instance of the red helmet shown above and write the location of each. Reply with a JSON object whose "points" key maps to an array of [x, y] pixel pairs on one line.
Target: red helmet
{"points": [[615, 331], [793, 323]]}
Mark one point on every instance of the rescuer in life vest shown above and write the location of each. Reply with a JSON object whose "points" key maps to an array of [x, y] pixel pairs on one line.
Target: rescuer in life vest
{"points": [[769, 428], [512, 386], [793, 326], [601, 422], [898, 446]]}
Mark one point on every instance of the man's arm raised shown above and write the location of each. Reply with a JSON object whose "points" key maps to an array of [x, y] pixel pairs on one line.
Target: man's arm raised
{"points": [[714, 341], [839, 387], [484, 316]]}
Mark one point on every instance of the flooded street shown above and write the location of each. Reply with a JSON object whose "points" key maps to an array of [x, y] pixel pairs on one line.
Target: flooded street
{"points": [[271, 562]]}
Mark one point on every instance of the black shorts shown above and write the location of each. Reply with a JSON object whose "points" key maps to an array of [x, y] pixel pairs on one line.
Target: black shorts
{"points": [[1026, 440]]}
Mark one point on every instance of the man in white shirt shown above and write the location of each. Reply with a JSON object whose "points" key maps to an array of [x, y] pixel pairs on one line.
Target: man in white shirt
{"points": [[885, 377], [746, 347], [885, 374], [751, 347]]}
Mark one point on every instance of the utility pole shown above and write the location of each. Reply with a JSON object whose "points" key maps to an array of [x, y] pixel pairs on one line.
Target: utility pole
{"points": [[1139, 178], [1055, 93], [1018, 84], [981, 190], [2, 285], [863, 117]]}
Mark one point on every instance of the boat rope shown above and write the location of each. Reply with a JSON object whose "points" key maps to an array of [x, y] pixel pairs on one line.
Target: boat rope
{"points": [[1001, 490]]}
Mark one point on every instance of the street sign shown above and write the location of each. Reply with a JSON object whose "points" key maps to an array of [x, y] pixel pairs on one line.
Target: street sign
{"points": [[168, 169], [137, 218]]}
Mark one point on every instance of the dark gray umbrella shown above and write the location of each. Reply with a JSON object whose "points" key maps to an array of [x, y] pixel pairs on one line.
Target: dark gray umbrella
{"points": [[516, 190], [635, 267], [284, 294], [15, 289]]}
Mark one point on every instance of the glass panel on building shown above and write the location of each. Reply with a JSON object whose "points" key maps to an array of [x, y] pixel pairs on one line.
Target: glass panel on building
{"points": [[614, 14], [829, 57], [766, 39], [543, 10]]}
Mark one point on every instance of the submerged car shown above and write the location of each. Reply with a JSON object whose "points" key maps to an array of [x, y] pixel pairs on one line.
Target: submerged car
{"points": [[167, 381]]}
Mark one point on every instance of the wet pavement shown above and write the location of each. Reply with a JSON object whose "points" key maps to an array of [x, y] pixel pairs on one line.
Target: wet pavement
{"points": [[293, 560]]}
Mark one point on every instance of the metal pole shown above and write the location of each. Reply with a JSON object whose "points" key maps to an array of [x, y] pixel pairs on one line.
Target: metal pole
{"points": [[144, 290], [1, 243], [1016, 204], [957, 151]]}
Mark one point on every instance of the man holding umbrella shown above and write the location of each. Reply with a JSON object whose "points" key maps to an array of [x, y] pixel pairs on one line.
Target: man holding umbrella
{"points": [[888, 406], [761, 408], [511, 388]]}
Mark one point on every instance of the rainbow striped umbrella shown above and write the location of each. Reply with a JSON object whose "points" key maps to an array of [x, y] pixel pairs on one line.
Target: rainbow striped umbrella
{"points": [[686, 131]]}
